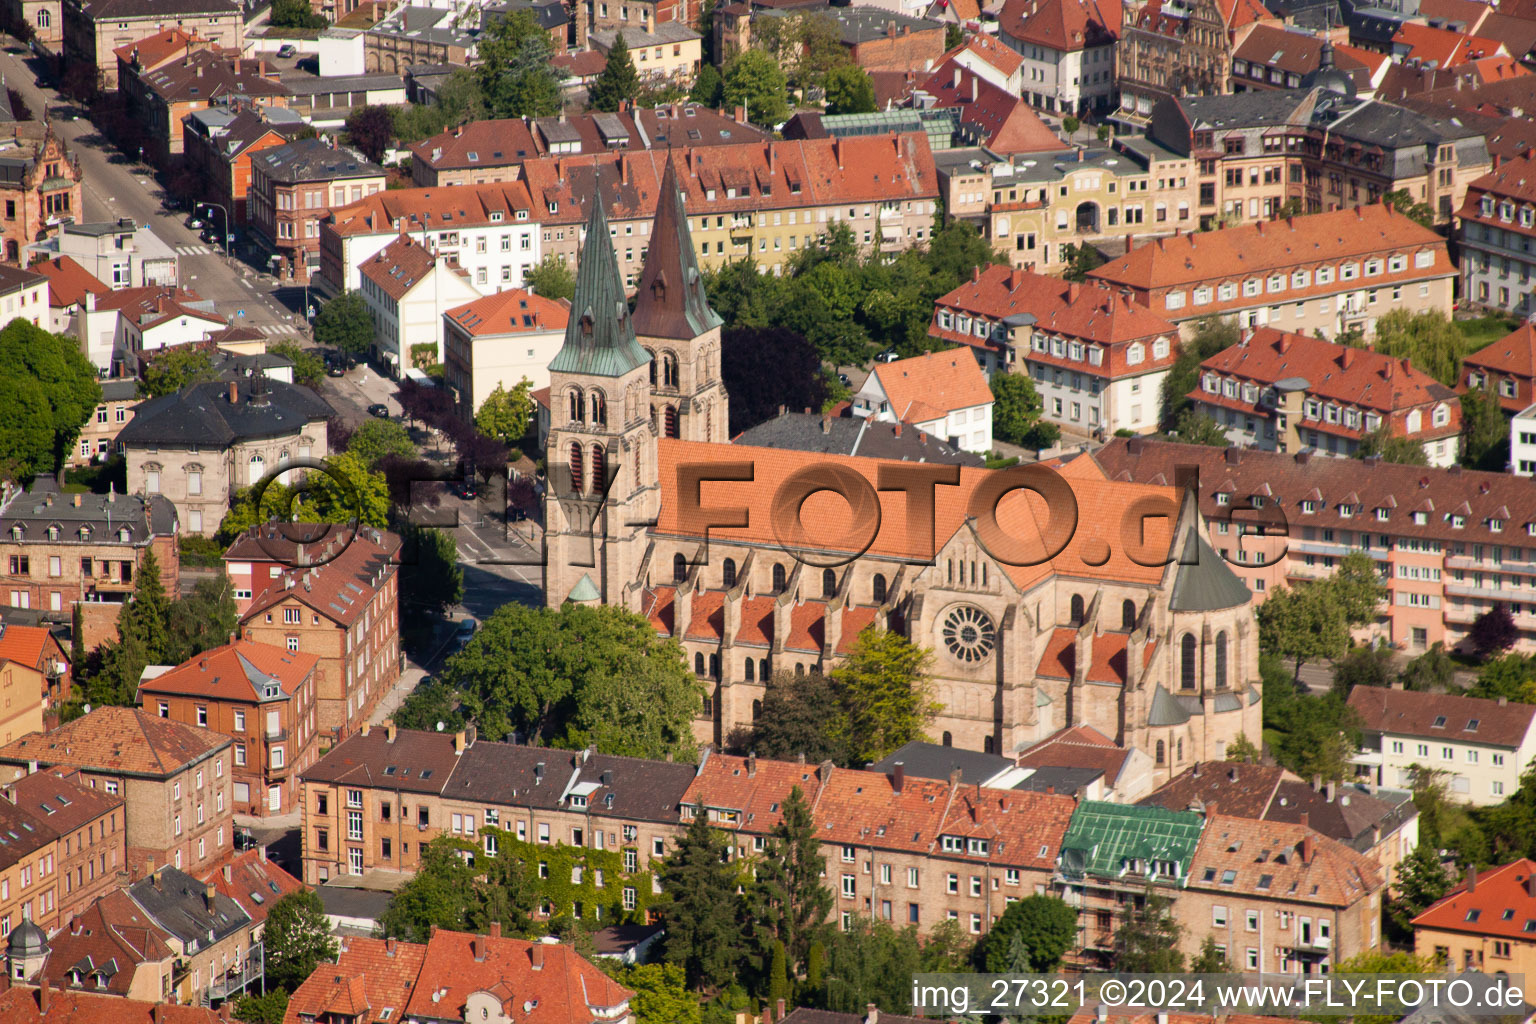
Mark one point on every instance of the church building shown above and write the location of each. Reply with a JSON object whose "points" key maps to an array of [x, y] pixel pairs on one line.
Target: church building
{"points": [[1049, 596]]}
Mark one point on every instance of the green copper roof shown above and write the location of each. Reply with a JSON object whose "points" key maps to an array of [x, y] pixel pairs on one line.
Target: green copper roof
{"points": [[599, 338], [584, 590], [1203, 582], [1104, 838]]}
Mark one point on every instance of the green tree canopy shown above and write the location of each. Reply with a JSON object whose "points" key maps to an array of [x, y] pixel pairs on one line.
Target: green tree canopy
{"points": [[1420, 881], [1427, 340], [515, 75], [349, 490], [296, 14], [446, 892], [871, 962], [343, 323], [1303, 623], [1147, 941], [850, 90], [801, 716], [754, 80], [371, 129], [1403, 202], [308, 367], [375, 439], [701, 907], [661, 992], [1357, 587], [1044, 924], [1211, 335], [430, 576], [298, 938], [1211, 959], [38, 364], [793, 902], [618, 82], [552, 278], [504, 414], [269, 1008], [1484, 432], [1398, 450], [886, 693], [427, 705], [1081, 260], [1016, 407], [1197, 428], [172, 369]]}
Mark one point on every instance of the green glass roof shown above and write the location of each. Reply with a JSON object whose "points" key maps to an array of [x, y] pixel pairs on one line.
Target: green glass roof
{"points": [[1103, 838]]}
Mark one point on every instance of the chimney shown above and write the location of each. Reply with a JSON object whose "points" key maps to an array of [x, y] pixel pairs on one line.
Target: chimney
{"points": [[234, 393], [477, 945], [780, 1008], [826, 423], [458, 743], [752, 765], [367, 728], [208, 894], [1471, 878], [77, 501], [1306, 820], [389, 947], [1317, 783], [495, 929], [1073, 291], [1530, 885], [390, 731], [741, 115], [1347, 358], [898, 776], [1330, 791], [536, 954], [1306, 848]]}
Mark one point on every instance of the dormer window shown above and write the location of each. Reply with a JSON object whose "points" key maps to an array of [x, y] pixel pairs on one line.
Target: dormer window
{"points": [[586, 323], [1309, 507], [522, 214], [1496, 526], [1223, 498], [123, 535], [53, 533], [1458, 522], [495, 216], [1421, 519]]}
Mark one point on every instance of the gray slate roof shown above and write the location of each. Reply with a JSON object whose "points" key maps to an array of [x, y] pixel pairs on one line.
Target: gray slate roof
{"points": [[1166, 710], [41, 506], [506, 773], [1203, 581], [852, 435], [313, 160], [932, 761], [1057, 779], [203, 414], [179, 903]]}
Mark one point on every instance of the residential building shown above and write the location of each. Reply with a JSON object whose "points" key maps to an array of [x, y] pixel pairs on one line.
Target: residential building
{"points": [[552, 16], [24, 692], [98, 438], [24, 296], [160, 99], [1097, 359], [477, 975], [992, 60], [72, 295], [92, 836], [1068, 48], [260, 696], [1174, 50], [944, 394], [294, 187], [876, 38], [1281, 57], [408, 288], [414, 35], [1284, 392], [922, 760], [119, 253], [1382, 824], [111, 949], [199, 446], [40, 187], [218, 144], [1522, 442], [59, 550], [1506, 368], [40, 649], [154, 52], [1119, 774], [1498, 237], [212, 937], [500, 341], [644, 15], [93, 29], [20, 1005], [1278, 898], [1480, 924], [864, 436], [253, 882], [1263, 154], [170, 316], [986, 115], [1321, 274], [1449, 539], [344, 609], [171, 777], [1444, 47], [27, 859], [1482, 745], [45, 17], [669, 54], [488, 152]]}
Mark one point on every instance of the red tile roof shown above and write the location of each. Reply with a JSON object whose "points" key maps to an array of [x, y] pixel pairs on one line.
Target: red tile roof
{"points": [[1236, 14], [113, 932], [1063, 25], [252, 881], [807, 626], [514, 311], [400, 265], [1442, 716], [130, 741], [565, 990], [1443, 46], [933, 384], [68, 281], [411, 209], [1078, 746], [1280, 860], [1006, 123], [378, 973], [706, 619], [1109, 657], [1499, 903], [21, 1005], [581, 64], [1513, 355], [27, 645], [341, 588], [234, 672], [989, 50], [58, 797], [151, 51]]}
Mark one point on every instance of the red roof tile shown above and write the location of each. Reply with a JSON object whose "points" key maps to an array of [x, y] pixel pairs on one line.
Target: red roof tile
{"points": [[1280, 860], [234, 672], [1500, 904], [20, 1005], [514, 311], [1078, 746], [341, 588], [127, 740], [400, 265], [252, 881], [68, 281], [932, 385], [1064, 25], [379, 973], [1006, 123], [1443, 46], [565, 990], [26, 645], [112, 932], [989, 50], [757, 621], [706, 620], [1442, 716]]}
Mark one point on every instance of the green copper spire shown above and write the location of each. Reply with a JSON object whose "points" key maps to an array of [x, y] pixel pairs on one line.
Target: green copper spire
{"points": [[599, 339]]}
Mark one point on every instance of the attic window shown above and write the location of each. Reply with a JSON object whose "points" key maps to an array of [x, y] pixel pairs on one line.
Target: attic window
{"points": [[1472, 724], [1509, 913], [473, 156], [1265, 881], [1474, 914], [495, 216], [426, 773], [522, 214], [1210, 875], [1439, 722], [1228, 877], [1530, 924]]}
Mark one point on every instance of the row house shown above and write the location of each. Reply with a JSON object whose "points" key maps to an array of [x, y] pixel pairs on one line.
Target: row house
{"points": [[338, 601], [39, 649], [1262, 154], [41, 185], [1068, 49], [261, 697], [94, 29], [414, 35], [159, 100], [1506, 368], [1323, 274], [98, 438], [1283, 392], [211, 936], [993, 61], [492, 151], [1097, 360], [1481, 746], [1484, 922], [25, 1005], [60, 550], [1452, 543], [294, 186], [173, 779], [408, 288], [91, 825], [219, 142], [24, 296], [1178, 47], [1279, 57], [1498, 237]]}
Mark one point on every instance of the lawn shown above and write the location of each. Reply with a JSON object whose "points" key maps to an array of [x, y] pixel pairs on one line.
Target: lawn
{"points": [[1485, 330]]}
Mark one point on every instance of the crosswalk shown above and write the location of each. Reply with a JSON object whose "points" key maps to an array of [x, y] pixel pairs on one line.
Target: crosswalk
{"points": [[194, 250], [274, 330]]}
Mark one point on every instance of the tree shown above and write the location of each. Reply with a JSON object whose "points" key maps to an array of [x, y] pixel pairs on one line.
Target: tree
{"points": [[1403, 202], [1314, 735], [575, 676], [871, 962], [25, 437], [886, 693], [661, 993], [174, 369], [1385, 963], [794, 903], [308, 367], [1070, 124], [765, 368], [754, 80], [1510, 677], [343, 323], [296, 14], [204, 619], [371, 129], [426, 706], [347, 491], [376, 439], [778, 974], [1420, 881], [1211, 959], [1197, 428], [1243, 750], [143, 638], [515, 74], [850, 90], [1045, 925], [1427, 340], [1212, 334], [953, 36], [298, 938], [77, 637], [39, 364], [1431, 670], [708, 88], [552, 278], [269, 1008], [430, 576], [1363, 666], [1016, 407], [1357, 587], [1303, 623], [1398, 450], [1080, 260], [504, 414], [1484, 432], [1492, 632], [1147, 941], [701, 907], [801, 717], [619, 81], [440, 894]]}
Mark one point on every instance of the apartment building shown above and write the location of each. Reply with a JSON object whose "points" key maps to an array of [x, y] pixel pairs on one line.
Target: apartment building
{"points": [[1482, 745], [1522, 442], [23, 698], [211, 936], [1506, 368], [408, 288], [38, 648], [1480, 925], [27, 860], [172, 778], [1321, 274], [92, 835], [990, 59], [262, 698], [218, 144], [944, 394], [98, 438], [23, 1005], [500, 340], [1177, 49], [1097, 360], [57, 550], [119, 253], [1262, 153], [93, 29], [345, 610], [293, 188], [1068, 47], [1284, 392], [199, 446], [1453, 542], [40, 189], [72, 295], [160, 99], [667, 54], [1498, 237], [982, 113], [110, 949], [488, 152]]}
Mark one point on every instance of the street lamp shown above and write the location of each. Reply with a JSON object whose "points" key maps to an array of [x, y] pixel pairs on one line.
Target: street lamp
{"points": [[225, 212]]}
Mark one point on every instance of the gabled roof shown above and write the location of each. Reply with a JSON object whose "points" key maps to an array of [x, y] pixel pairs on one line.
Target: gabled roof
{"points": [[413, 762], [252, 882], [1442, 716], [127, 741], [379, 974], [1004, 123], [180, 904], [19, 1005], [1280, 860], [21, 835], [359, 563], [863, 436], [205, 76], [400, 266], [236, 671], [27, 645], [1497, 902], [600, 335], [1242, 790], [101, 517], [932, 761], [1445, 47], [933, 384], [1513, 354], [58, 798], [565, 989], [514, 311], [151, 51], [313, 159], [989, 51], [68, 282], [1062, 25], [106, 943], [1078, 746], [670, 300]]}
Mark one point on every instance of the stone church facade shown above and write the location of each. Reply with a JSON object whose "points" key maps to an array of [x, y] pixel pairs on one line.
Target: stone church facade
{"points": [[1043, 608]]}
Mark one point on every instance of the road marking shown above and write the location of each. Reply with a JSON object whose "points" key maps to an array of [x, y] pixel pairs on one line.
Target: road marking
{"points": [[193, 250]]}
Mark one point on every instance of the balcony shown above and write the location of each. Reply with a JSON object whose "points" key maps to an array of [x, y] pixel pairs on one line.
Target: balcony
{"points": [[1497, 594], [1313, 547], [1314, 944], [276, 735], [235, 982]]}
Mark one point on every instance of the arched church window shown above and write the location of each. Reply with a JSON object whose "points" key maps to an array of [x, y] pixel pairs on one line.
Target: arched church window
{"points": [[828, 583], [599, 409], [728, 578], [762, 669], [1161, 752], [799, 670], [671, 421], [1187, 667], [949, 740], [698, 664], [599, 469], [679, 568], [750, 669], [714, 666], [668, 370], [1128, 615], [878, 589], [653, 366], [778, 579], [757, 709], [1221, 660], [575, 405], [986, 745], [1181, 750], [1077, 610]]}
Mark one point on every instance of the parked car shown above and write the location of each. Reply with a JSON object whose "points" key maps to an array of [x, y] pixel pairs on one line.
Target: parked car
{"points": [[842, 379], [888, 356], [335, 370], [466, 489], [287, 50], [466, 631], [379, 410]]}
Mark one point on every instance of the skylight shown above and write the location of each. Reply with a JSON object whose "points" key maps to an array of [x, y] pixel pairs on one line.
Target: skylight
{"points": [[1472, 724], [1439, 722]]}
